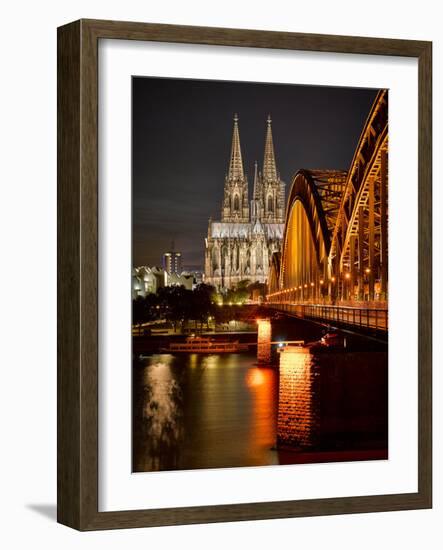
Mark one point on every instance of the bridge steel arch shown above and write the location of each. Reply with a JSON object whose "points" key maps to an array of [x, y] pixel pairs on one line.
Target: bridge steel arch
{"points": [[358, 258], [312, 206], [274, 272], [335, 240]]}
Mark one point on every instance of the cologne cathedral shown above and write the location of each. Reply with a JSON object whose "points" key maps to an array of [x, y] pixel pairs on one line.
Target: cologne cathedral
{"points": [[240, 246]]}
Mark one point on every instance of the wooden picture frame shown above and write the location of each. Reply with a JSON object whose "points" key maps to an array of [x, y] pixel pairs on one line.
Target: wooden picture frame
{"points": [[78, 274]]}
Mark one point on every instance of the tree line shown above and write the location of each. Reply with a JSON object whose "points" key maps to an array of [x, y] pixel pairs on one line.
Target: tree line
{"points": [[176, 304]]}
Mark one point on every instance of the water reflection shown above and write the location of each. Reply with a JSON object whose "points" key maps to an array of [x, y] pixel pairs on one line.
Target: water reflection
{"points": [[262, 383], [197, 411], [162, 412], [218, 411]]}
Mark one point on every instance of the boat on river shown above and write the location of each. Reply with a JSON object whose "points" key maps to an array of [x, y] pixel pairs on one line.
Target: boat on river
{"points": [[202, 344]]}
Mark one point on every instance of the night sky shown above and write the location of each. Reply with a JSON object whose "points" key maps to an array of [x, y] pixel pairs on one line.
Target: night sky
{"points": [[181, 144]]}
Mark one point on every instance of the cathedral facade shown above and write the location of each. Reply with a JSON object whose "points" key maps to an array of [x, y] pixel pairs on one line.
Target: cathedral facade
{"points": [[239, 246]]}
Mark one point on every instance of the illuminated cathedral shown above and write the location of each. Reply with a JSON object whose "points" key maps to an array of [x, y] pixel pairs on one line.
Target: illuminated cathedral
{"points": [[240, 245]]}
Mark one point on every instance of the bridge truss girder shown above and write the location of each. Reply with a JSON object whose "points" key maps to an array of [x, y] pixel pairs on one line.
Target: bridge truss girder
{"points": [[358, 256], [335, 241]]}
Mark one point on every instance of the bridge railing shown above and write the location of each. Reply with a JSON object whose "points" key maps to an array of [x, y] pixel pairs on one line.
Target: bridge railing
{"points": [[376, 318]]}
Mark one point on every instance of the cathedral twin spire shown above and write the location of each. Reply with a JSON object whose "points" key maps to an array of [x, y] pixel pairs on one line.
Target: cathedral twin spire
{"points": [[268, 192], [236, 162]]}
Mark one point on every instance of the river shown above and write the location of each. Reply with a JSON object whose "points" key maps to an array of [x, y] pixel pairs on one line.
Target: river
{"points": [[217, 411]]}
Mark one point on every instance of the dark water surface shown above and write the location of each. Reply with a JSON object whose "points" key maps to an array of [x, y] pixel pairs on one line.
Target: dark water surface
{"points": [[217, 411]]}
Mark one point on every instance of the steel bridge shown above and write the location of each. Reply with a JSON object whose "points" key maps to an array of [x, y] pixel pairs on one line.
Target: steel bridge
{"points": [[334, 259]]}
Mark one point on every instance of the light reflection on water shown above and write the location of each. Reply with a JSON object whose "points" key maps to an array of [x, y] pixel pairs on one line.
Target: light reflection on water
{"points": [[217, 411], [203, 411], [162, 411]]}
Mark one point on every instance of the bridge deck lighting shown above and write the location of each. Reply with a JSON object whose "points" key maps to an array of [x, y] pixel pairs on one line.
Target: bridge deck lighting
{"points": [[333, 279], [312, 284], [306, 286], [367, 270], [347, 275], [321, 281]]}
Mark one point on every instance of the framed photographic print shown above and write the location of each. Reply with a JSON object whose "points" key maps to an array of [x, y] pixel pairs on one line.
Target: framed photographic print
{"points": [[244, 280]]}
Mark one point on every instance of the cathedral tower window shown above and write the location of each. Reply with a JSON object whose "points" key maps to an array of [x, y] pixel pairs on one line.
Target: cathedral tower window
{"points": [[236, 204], [215, 253], [270, 204]]}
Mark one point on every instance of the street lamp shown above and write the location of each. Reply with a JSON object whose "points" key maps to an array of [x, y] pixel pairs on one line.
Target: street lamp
{"points": [[346, 289], [321, 289]]}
